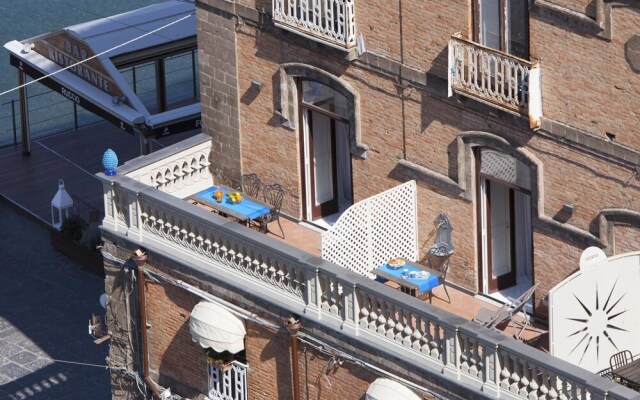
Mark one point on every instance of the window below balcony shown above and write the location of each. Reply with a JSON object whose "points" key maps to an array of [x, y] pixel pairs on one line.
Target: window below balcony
{"points": [[328, 21]]}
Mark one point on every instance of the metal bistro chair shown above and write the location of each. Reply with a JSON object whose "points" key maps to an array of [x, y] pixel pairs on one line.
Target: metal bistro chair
{"points": [[273, 194], [438, 260], [617, 361], [620, 359], [250, 184]]}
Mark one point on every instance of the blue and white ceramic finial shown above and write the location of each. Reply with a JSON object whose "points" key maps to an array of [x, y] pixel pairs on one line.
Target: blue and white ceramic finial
{"points": [[109, 162]]}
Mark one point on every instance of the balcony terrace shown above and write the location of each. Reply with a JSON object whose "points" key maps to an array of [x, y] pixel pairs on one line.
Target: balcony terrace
{"points": [[142, 203]]}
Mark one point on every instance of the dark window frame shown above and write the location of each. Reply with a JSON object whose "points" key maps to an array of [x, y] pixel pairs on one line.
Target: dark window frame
{"points": [[503, 16]]}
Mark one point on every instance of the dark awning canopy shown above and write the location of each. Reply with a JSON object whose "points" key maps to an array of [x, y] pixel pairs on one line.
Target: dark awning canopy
{"points": [[96, 84]]}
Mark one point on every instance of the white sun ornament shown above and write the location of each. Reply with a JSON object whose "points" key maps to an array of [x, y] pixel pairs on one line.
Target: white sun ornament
{"points": [[593, 313]]}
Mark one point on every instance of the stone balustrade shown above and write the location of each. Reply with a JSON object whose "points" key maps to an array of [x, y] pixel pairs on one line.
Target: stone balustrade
{"points": [[462, 353], [328, 21], [179, 174]]}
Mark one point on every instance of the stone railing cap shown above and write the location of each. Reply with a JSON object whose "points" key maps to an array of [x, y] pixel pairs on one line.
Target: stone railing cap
{"points": [[159, 155]]}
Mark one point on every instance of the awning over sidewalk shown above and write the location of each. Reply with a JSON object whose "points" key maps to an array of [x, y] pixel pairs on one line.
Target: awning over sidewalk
{"points": [[215, 327], [386, 389], [97, 83]]}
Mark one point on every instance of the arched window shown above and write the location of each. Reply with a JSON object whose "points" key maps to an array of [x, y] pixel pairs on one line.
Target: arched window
{"points": [[324, 110], [504, 224]]}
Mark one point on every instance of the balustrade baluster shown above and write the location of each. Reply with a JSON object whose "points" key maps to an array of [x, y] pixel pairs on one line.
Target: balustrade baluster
{"points": [[553, 386], [392, 320], [408, 328], [525, 379], [565, 390], [418, 333], [474, 356], [437, 340], [515, 374], [373, 315], [365, 307], [382, 318], [505, 372]]}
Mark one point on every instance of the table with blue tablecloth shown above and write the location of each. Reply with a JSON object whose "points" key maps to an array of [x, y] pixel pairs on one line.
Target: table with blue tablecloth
{"points": [[248, 208], [420, 284]]}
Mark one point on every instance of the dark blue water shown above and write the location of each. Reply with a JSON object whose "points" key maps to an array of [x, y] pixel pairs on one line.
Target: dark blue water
{"points": [[24, 19]]}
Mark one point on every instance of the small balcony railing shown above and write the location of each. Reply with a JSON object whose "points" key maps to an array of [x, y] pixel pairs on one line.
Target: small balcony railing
{"points": [[229, 382], [329, 21], [494, 77]]}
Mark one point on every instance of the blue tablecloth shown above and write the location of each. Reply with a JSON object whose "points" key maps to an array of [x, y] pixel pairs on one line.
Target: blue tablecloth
{"points": [[424, 283], [245, 207]]}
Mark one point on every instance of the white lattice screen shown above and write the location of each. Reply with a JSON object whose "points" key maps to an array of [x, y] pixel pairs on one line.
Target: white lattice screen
{"points": [[374, 230]]}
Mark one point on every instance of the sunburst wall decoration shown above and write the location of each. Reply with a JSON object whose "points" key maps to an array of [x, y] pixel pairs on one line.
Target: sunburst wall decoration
{"points": [[595, 313]]}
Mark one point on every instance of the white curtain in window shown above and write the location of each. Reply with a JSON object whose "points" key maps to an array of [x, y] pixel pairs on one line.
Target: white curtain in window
{"points": [[523, 236]]}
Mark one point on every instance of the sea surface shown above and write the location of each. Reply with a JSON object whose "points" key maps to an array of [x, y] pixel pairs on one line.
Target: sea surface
{"points": [[24, 19]]}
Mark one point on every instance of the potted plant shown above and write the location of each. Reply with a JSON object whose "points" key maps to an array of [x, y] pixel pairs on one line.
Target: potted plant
{"points": [[79, 241]]}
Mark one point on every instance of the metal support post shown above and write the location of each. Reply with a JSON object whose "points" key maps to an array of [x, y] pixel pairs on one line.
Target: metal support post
{"points": [[24, 114]]}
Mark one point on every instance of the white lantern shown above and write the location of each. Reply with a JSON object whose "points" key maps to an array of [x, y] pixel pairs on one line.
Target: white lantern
{"points": [[61, 206]]}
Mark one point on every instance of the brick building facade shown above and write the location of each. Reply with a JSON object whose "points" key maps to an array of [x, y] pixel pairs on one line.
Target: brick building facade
{"points": [[329, 366], [579, 154], [529, 171]]}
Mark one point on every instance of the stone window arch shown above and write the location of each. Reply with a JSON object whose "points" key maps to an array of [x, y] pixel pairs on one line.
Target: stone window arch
{"points": [[468, 141], [287, 102], [504, 182]]}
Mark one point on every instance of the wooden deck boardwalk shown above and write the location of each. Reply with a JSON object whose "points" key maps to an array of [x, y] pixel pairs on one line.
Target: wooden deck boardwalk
{"points": [[30, 182]]}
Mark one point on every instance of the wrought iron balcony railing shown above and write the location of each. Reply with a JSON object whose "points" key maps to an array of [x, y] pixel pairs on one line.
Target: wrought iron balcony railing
{"points": [[329, 21], [495, 78]]}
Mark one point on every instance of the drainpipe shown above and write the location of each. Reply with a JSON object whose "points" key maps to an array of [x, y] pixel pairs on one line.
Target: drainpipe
{"points": [[293, 326], [140, 258]]}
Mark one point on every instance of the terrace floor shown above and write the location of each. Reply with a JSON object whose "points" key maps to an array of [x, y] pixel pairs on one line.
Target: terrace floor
{"points": [[462, 303], [30, 182]]}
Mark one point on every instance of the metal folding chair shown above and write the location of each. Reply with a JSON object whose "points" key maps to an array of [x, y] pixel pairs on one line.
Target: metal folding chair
{"points": [[491, 319]]}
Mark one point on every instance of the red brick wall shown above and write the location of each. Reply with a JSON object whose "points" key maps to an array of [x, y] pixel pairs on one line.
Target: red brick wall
{"points": [[172, 354], [427, 27], [269, 358], [627, 239], [586, 81], [554, 260]]}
